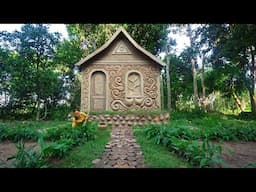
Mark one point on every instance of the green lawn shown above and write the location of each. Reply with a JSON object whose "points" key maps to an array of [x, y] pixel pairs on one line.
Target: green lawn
{"points": [[209, 120], [83, 155], [157, 156]]}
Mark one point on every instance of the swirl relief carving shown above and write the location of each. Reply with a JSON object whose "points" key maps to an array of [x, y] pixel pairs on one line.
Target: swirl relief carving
{"points": [[130, 86]]}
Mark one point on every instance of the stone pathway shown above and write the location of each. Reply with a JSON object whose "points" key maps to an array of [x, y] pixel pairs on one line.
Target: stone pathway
{"points": [[122, 151]]}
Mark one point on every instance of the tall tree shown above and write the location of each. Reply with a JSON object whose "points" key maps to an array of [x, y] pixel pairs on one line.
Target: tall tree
{"points": [[4, 76], [181, 79], [233, 50], [192, 51], [202, 77], [31, 76], [68, 53], [168, 80]]}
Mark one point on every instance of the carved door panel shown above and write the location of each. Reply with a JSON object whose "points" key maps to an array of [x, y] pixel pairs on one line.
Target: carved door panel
{"points": [[98, 92]]}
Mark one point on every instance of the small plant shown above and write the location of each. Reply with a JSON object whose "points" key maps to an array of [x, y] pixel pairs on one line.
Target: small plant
{"points": [[26, 158], [210, 154]]}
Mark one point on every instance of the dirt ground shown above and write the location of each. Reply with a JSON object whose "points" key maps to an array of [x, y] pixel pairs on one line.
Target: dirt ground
{"points": [[238, 154], [235, 154]]}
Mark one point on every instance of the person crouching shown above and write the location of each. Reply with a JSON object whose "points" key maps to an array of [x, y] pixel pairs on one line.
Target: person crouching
{"points": [[79, 118]]}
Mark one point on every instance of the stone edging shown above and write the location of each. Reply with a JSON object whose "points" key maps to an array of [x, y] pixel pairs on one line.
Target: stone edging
{"points": [[131, 119]]}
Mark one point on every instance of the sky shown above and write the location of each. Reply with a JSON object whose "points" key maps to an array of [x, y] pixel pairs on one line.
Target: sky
{"points": [[181, 40], [61, 28]]}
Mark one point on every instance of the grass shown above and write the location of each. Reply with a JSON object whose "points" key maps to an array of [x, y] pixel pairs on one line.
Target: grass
{"points": [[210, 122], [157, 156], [83, 155], [36, 124]]}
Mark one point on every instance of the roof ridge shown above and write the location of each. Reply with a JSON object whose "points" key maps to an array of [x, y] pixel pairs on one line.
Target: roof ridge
{"points": [[114, 36]]}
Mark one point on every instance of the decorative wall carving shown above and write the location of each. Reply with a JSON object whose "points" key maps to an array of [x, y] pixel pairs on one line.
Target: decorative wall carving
{"points": [[121, 48], [138, 97], [134, 85]]}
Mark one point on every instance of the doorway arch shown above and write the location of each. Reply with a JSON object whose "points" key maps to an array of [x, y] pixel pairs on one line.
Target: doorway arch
{"points": [[98, 91]]}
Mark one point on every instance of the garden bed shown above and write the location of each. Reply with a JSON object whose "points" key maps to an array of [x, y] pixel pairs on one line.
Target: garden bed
{"points": [[8, 148]]}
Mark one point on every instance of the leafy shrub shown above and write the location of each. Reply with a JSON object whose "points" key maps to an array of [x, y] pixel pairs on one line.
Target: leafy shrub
{"points": [[55, 149], [54, 134], [246, 116], [59, 113], [17, 133], [177, 139], [3, 132], [79, 134]]}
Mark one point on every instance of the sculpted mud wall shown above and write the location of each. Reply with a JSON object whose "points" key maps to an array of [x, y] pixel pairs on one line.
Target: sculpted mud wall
{"points": [[128, 86]]}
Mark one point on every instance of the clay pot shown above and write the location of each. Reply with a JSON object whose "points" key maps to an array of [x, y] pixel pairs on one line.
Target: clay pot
{"points": [[123, 122], [101, 117], [140, 123], [127, 118], [94, 117], [156, 119], [102, 125], [132, 117], [166, 116], [130, 123], [149, 118], [110, 122]]}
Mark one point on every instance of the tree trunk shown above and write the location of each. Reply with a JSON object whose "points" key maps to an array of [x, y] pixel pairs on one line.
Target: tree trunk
{"points": [[37, 89], [194, 81], [162, 91], [174, 105], [202, 78], [202, 84], [38, 109], [45, 111], [237, 100], [252, 83], [168, 84], [253, 103], [5, 98], [192, 44]]}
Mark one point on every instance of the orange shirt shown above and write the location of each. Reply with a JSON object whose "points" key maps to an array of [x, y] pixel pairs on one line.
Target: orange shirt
{"points": [[79, 120]]}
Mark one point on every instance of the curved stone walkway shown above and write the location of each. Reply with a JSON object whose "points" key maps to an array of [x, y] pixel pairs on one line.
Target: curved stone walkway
{"points": [[122, 151]]}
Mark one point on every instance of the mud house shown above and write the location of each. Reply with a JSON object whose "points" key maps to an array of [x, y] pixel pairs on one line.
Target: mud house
{"points": [[120, 76]]}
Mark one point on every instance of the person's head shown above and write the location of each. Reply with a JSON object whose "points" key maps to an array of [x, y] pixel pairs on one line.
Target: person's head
{"points": [[76, 109], [76, 114]]}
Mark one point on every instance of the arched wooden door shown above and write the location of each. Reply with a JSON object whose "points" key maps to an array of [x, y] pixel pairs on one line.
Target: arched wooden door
{"points": [[98, 91]]}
